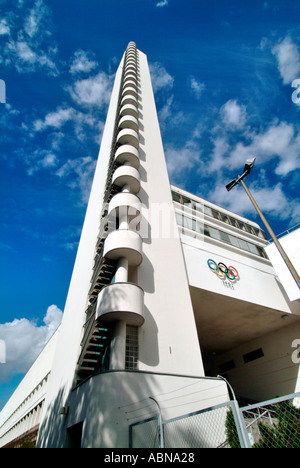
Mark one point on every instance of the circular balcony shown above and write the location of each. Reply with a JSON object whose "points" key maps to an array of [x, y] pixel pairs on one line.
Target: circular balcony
{"points": [[129, 99], [128, 121], [124, 243], [131, 67], [130, 75], [127, 136], [131, 61], [129, 90], [125, 202], [121, 301], [128, 154], [131, 54], [127, 175], [129, 109], [129, 83]]}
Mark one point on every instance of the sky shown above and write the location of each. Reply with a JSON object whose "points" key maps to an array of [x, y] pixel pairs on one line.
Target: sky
{"points": [[226, 79]]}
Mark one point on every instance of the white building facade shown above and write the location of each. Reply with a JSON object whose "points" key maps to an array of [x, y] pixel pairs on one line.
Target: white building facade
{"points": [[168, 291]]}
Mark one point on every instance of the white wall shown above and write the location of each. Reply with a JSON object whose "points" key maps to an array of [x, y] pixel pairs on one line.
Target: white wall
{"points": [[169, 341], [29, 394], [291, 246]]}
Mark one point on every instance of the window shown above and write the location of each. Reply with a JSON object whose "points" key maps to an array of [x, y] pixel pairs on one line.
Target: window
{"points": [[207, 210], [215, 214], [176, 197], [252, 248], [132, 347], [214, 233], [234, 241], [243, 245], [224, 218], [224, 237], [256, 354]]}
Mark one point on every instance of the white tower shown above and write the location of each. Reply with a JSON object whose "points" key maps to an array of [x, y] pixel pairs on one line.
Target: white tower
{"points": [[128, 323]]}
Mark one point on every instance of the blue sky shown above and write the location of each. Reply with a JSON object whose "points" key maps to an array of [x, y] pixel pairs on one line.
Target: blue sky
{"points": [[224, 76]]}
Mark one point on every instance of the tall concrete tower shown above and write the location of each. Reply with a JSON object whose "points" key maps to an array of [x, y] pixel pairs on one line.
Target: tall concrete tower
{"points": [[128, 329]]}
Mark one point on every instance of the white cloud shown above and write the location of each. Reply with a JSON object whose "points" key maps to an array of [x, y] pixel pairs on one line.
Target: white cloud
{"points": [[272, 200], [78, 174], [55, 119], [181, 160], [28, 47], [94, 91], [288, 58], [197, 87], [4, 27], [24, 340], [233, 114], [279, 142], [162, 3], [36, 21], [82, 62], [160, 77]]}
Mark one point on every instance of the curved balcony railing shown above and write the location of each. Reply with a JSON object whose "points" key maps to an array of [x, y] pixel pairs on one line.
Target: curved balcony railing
{"points": [[124, 243], [128, 136], [121, 301], [130, 90], [127, 175], [124, 200], [129, 109], [130, 83], [127, 154], [128, 121], [129, 99]]}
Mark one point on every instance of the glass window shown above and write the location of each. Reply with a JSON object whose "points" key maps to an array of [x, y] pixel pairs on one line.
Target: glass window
{"points": [[262, 252], [176, 197], [214, 233], [234, 241], [186, 201], [252, 248], [179, 219], [243, 245], [224, 237], [198, 206], [189, 223], [233, 222], [250, 229], [131, 350], [206, 231], [241, 225], [207, 210], [215, 214], [224, 218]]}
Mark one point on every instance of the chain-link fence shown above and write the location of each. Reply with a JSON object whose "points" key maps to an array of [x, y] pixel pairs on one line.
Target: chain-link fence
{"points": [[274, 424], [271, 424]]}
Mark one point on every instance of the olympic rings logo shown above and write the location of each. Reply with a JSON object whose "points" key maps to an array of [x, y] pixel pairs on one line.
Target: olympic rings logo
{"points": [[222, 270]]}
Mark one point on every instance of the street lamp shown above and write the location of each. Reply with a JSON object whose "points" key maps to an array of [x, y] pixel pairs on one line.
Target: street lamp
{"points": [[247, 169]]}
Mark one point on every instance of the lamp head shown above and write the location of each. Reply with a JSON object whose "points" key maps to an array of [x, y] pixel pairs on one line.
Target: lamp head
{"points": [[249, 165], [231, 184]]}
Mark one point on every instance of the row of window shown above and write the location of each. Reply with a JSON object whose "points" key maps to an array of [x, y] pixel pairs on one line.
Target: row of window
{"points": [[248, 357], [218, 215], [194, 225]]}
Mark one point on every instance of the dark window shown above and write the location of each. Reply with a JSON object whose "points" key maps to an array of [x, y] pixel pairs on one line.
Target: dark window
{"points": [[256, 354], [74, 434]]}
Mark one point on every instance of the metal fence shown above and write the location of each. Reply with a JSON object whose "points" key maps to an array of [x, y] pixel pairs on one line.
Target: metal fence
{"points": [[270, 424], [274, 423]]}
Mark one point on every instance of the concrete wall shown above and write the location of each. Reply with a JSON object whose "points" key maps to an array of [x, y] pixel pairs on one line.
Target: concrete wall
{"points": [[291, 245], [23, 410]]}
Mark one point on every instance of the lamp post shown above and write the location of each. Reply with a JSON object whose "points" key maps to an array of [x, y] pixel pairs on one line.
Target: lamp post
{"points": [[247, 169]]}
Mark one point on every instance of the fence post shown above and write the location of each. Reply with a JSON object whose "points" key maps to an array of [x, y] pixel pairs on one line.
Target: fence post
{"points": [[238, 419], [161, 430]]}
